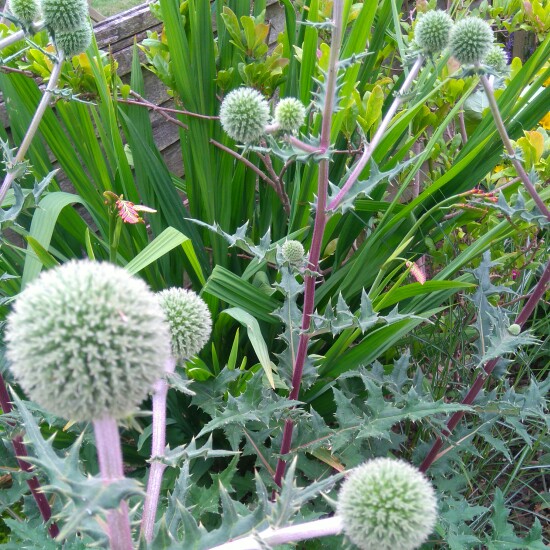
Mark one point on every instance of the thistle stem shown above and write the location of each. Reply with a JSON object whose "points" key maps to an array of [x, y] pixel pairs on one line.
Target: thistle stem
{"points": [[109, 454], [33, 127], [20, 452], [157, 451], [369, 149], [293, 533], [489, 92], [318, 231], [528, 308], [20, 35]]}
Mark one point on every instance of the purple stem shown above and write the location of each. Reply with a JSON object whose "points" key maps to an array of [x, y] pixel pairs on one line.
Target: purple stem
{"points": [[528, 308], [157, 451], [318, 231], [109, 454], [21, 451]]}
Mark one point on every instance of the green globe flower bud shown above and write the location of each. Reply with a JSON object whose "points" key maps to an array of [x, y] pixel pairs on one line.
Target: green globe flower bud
{"points": [[497, 59], [432, 31], [293, 252], [387, 504], [65, 15], [290, 114], [74, 42], [87, 341], [26, 11], [514, 329], [471, 40], [244, 114], [189, 320]]}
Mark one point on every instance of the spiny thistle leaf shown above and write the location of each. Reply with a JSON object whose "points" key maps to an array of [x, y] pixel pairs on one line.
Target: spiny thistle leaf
{"points": [[185, 453], [364, 187]]}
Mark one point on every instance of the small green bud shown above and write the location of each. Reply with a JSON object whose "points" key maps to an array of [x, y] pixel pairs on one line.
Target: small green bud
{"points": [[244, 114], [74, 42], [87, 341], [290, 114], [471, 40], [387, 504], [293, 252], [26, 11], [432, 31], [65, 15], [497, 59], [189, 320], [514, 329]]}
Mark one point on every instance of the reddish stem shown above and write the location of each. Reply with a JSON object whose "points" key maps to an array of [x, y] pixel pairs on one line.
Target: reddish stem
{"points": [[21, 451], [528, 308], [317, 238]]}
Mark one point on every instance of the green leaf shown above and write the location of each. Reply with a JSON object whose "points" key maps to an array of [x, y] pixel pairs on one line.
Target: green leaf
{"points": [[256, 339], [169, 239]]}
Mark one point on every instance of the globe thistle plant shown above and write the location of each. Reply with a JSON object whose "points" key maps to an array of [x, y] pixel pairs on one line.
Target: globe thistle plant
{"points": [[189, 321], [244, 114], [387, 504], [87, 340], [290, 114], [26, 11], [293, 252], [74, 42], [65, 15], [497, 60], [471, 40], [432, 31]]}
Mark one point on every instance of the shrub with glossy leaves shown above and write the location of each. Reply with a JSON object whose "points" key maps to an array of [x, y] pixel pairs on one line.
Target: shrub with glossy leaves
{"points": [[387, 504], [189, 319], [26, 11], [87, 340], [74, 42], [471, 40], [244, 114], [290, 114], [65, 15], [432, 31]]}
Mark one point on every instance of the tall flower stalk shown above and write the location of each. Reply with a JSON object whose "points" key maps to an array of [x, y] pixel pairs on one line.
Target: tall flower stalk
{"points": [[318, 230], [11, 175]]}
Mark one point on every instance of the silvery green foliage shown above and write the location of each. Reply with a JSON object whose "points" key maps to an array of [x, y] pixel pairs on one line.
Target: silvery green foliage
{"points": [[74, 42], [65, 15], [290, 114], [81, 497], [87, 340], [293, 252], [189, 319], [244, 114], [387, 504], [493, 323], [26, 11], [497, 59], [432, 31], [471, 40]]}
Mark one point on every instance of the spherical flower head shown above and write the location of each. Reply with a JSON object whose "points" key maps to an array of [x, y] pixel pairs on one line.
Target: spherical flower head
{"points": [[65, 15], [293, 252], [497, 59], [26, 11], [189, 320], [387, 504], [74, 42], [244, 114], [471, 40], [87, 341], [432, 31], [290, 114]]}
